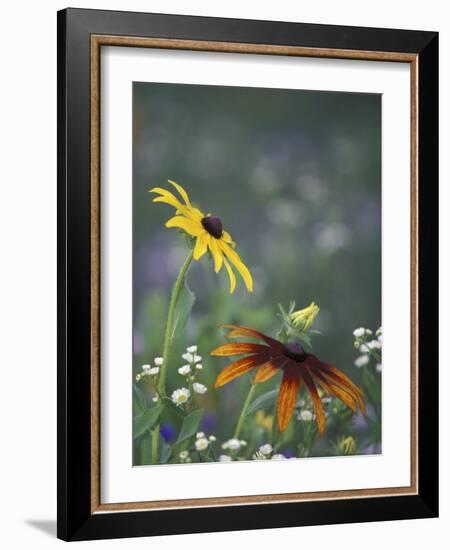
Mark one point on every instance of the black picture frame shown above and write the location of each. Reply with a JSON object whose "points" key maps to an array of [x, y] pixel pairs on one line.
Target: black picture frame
{"points": [[76, 521]]}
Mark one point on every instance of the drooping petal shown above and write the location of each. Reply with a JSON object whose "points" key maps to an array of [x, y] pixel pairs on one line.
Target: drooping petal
{"points": [[287, 398], [239, 265], [317, 402], [227, 237], [238, 330], [169, 198], [240, 367], [332, 389], [216, 254], [191, 227], [231, 275], [340, 379], [238, 348], [201, 245], [264, 373]]}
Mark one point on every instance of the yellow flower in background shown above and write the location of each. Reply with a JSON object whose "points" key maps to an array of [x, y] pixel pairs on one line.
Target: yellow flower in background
{"points": [[304, 318], [263, 420], [208, 232], [347, 446]]}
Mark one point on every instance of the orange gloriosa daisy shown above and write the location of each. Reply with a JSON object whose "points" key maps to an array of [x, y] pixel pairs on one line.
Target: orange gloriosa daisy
{"points": [[298, 367], [207, 232]]}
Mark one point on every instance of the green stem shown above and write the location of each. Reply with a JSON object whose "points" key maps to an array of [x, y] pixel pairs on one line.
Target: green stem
{"points": [[243, 414], [166, 346], [273, 430]]}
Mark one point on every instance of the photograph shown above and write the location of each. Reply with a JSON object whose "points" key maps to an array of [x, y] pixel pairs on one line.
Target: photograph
{"points": [[257, 274]]}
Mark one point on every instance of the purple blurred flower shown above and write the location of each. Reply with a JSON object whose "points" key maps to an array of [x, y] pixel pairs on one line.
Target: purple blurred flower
{"points": [[209, 422], [168, 432]]}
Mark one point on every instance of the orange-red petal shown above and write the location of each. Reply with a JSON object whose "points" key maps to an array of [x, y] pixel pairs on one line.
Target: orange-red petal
{"points": [[332, 389], [239, 348], [317, 402], [265, 372], [239, 367], [237, 330], [287, 397], [341, 380]]}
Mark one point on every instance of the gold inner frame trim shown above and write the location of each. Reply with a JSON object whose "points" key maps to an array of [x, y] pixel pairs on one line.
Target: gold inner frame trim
{"points": [[97, 41]]}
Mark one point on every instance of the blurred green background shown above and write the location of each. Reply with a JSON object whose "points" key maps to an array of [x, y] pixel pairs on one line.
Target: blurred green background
{"points": [[295, 177]]}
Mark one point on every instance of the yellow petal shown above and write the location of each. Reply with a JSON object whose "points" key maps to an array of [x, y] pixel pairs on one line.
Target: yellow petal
{"points": [[191, 227], [216, 254], [227, 237], [236, 261], [169, 198], [201, 245], [231, 275], [182, 192]]}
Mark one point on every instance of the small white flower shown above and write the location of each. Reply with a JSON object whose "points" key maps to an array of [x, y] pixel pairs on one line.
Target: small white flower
{"points": [[153, 371], [266, 449], [278, 456], [306, 415], [192, 378], [183, 455], [146, 368], [180, 396], [155, 398], [358, 332], [243, 443], [380, 338], [326, 400], [233, 444], [201, 444], [138, 377], [212, 438], [361, 361], [259, 456], [225, 458], [192, 349], [378, 367], [199, 366], [364, 348], [196, 358], [184, 370], [199, 388], [368, 331], [374, 344], [379, 331], [199, 435], [188, 357], [158, 361]]}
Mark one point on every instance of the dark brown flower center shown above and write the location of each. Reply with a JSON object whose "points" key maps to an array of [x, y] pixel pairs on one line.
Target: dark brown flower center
{"points": [[294, 351], [213, 225]]}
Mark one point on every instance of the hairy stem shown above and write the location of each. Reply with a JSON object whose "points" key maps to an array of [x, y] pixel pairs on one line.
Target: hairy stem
{"points": [[178, 285]]}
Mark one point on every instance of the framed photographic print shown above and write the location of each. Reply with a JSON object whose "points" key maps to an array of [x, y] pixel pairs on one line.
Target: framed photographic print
{"points": [[247, 274]]}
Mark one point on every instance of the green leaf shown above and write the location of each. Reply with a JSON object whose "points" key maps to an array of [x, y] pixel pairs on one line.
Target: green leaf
{"points": [[190, 425], [263, 401], [140, 397], [145, 420], [183, 308], [170, 406]]}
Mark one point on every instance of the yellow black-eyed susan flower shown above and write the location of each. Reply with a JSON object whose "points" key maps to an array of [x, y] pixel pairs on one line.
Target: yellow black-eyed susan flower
{"points": [[298, 368], [207, 232]]}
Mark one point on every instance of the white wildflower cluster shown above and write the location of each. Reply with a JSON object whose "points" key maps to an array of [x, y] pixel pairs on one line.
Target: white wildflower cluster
{"points": [[265, 452], [305, 415], [202, 442], [368, 346], [190, 369], [185, 457], [149, 370], [234, 444]]}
